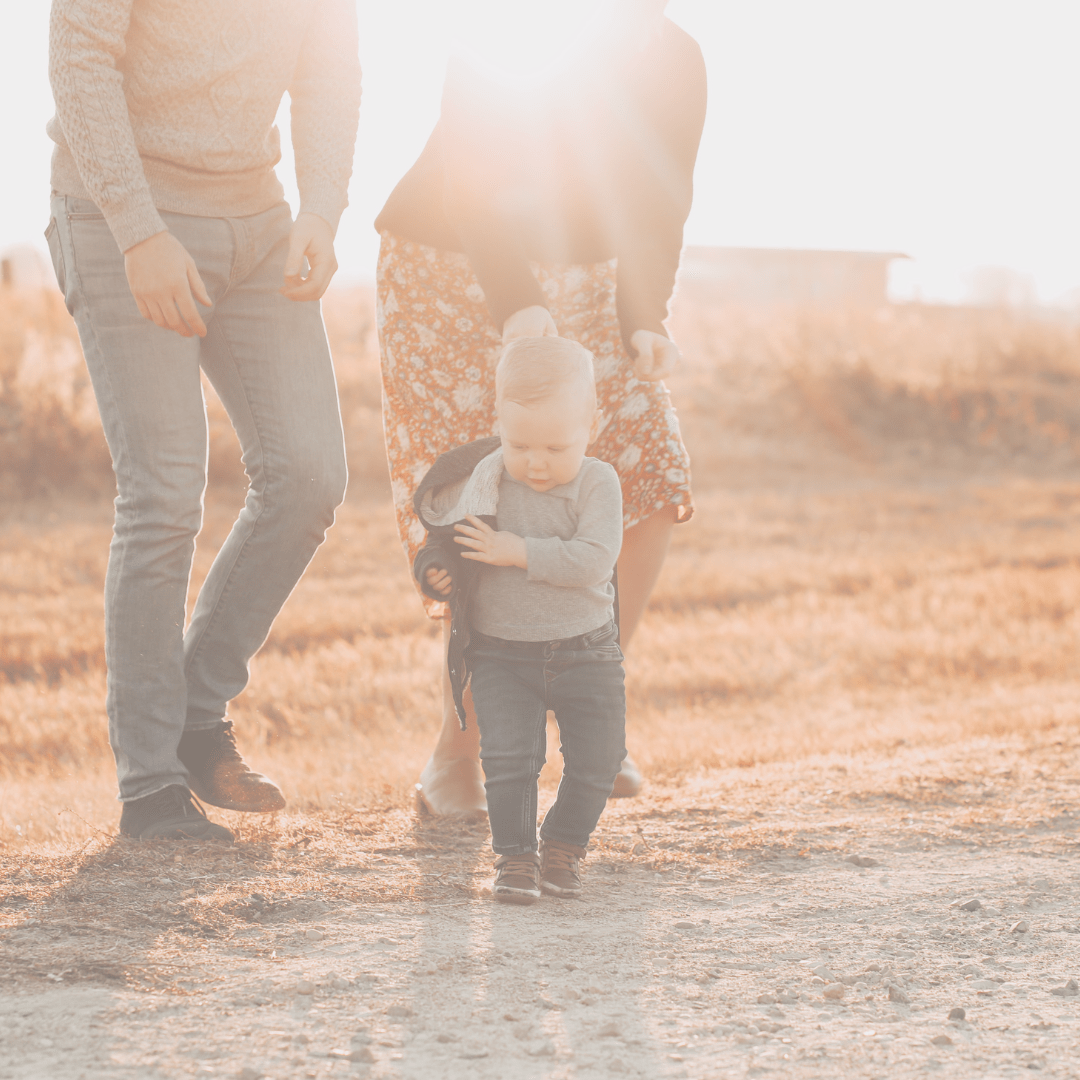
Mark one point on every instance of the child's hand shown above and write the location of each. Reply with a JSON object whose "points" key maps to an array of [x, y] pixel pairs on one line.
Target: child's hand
{"points": [[440, 580], [491, 547]]}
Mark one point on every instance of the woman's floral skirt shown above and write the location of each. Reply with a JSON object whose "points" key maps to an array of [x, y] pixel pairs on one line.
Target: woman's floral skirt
{"points": [[439, 350]]}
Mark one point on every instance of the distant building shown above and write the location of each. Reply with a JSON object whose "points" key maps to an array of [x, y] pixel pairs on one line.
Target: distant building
{"points": [[765, 277]]}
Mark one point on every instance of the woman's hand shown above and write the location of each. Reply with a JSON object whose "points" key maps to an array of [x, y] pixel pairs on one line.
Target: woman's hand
{"points": [[491, 547], [310, 237], [165, 282], [440, 580], [657, 356], [535, 321]]}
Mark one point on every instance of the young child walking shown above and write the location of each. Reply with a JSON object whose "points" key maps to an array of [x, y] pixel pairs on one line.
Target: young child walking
{"points": [[523, 533]]}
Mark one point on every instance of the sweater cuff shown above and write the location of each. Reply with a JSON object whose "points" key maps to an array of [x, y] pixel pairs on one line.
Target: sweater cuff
{"points": [[326, 206], [134, 221]]}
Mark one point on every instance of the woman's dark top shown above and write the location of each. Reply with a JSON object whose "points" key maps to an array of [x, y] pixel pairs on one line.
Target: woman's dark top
{"points": [[596, 163]]}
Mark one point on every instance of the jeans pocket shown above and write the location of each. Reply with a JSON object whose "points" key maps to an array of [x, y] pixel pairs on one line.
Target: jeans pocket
{"points": [[82, 210], [56, 253]]}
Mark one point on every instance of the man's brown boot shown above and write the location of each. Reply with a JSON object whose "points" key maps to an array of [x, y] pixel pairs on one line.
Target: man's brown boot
{"points": [[218, 775], [560, 868], [517, 879]]}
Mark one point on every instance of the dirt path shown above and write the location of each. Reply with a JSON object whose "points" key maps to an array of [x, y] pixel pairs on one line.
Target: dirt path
{"points": [[726, 933]]}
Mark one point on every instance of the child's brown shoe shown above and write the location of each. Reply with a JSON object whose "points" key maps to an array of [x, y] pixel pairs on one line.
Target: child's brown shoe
{"points": [[517, 879], [560, 868]]}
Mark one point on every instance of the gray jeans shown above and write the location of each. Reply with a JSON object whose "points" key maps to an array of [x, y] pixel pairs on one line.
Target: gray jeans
{"points": [[268, 360], [514, 683]]}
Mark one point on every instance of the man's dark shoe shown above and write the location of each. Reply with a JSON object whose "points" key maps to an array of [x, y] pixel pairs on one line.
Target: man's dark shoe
{"points": [[169, 814], [560, 869], [517, 879], [218, 775]]}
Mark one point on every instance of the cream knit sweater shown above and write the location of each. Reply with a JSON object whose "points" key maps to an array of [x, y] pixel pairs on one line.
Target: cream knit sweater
{"points": [[170, 105]]}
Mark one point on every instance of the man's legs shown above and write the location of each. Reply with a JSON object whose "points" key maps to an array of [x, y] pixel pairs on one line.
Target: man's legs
{"points": [[269, 362], [146, 381]]}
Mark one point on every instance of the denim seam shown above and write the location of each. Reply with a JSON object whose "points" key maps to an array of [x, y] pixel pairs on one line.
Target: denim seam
{"points": [[230, 576], [77, 274]]}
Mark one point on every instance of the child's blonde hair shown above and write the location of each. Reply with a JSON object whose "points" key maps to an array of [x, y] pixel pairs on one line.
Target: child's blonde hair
{"points": [[536, 369]]}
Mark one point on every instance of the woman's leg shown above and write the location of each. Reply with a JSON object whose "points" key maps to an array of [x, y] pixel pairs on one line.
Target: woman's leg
{"points": [[644, 548], [452, 783]]}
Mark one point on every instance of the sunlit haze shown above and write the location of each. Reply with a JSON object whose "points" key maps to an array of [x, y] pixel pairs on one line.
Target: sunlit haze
{"points": [[944, 129]]}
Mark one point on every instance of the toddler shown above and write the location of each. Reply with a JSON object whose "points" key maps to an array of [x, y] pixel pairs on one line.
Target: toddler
{"points": [[523, 534]]}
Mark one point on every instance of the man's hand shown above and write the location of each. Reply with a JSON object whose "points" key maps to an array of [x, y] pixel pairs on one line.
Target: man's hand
{"points": [[165, 282], [311, 237], [491, 547], [657, 356], [440, 580], [535, 321]]}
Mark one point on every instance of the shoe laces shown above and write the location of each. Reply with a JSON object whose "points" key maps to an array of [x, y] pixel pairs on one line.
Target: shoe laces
{"points": [[178, 798], [225, 748], [519, 864], [560, 858]]}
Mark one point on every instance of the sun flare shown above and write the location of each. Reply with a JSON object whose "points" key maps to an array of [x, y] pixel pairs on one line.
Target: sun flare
{"points": [[519, 43]]}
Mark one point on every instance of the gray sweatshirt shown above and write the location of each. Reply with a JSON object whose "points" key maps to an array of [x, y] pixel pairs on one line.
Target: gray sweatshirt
{"points": [[170, 105], [572, 538]]}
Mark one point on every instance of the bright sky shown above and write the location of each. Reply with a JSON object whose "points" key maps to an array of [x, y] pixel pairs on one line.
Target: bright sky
{"points": [[945, 129]]}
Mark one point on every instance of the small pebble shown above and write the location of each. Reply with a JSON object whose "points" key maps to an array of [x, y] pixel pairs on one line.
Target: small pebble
{"points": [[609, 1031], [305, 987], [970, 905], [474, 1053], [862, 860], [957, 1013], [766, 999], [822, 972], [401, 1011], [443, 1037], [338, 983], [314, 935], [899, 996], [361, 1053], [248, 1073], [541, 1049], [1021, 927], [571, 967], [1070, 989], [834, 991], [684, 924], [941, 1040]]}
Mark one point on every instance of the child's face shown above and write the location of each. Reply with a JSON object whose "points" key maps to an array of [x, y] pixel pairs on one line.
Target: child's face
{"points": [[544, 444]]}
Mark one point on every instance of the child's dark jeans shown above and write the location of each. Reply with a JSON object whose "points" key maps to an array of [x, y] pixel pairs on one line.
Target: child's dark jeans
{"points": [[514, 683]]}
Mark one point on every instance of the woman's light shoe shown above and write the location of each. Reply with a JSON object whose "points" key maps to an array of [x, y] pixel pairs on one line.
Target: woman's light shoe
{"points": [[628, 782], [453, 788]]}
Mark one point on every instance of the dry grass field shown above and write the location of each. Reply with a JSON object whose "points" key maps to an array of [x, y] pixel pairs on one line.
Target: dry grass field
{"points": [[885, 553], [866, 639]]}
